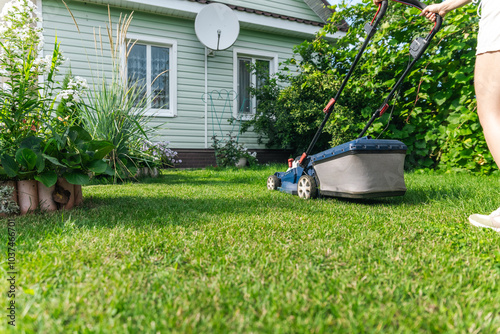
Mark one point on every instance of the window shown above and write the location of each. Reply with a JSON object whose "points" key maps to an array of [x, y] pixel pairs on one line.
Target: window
{"points": [[251, 70], [251, 73], [153, 67], [244, 83]]}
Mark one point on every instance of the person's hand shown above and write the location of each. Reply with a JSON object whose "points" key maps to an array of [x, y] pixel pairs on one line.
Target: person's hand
{"points": [[430, 11]]}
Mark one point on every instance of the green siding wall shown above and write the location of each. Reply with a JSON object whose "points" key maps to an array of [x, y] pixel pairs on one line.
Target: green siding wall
{"points": [[187, 130]]}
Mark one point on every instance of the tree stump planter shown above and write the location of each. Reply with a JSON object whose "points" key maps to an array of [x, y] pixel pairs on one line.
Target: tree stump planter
{"points": [[242, 162], [27, 194], [64, 194], [145, 172], [78, 194], [45, 199], [154, 172]]}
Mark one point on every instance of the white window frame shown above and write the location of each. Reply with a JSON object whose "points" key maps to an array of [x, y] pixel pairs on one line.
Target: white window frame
{"points": [[160, 42], [254, 55]]}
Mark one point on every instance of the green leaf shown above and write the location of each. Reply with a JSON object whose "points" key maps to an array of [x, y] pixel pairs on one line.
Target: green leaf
{"points": [[77, 178], [440, 101], [53, 160], [109, 171], [101, 148], [40, 163], [10, 166], [78, 134], [132, 170], [47, 178], [98, 166], [31, 142], [26, 158], [71, 159]]}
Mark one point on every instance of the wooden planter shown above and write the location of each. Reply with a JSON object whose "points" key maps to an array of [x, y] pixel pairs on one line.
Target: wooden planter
{"points": [[45, 199], [78, 194], [27, 195], [147, 172], [65, 193], [31, 194]]}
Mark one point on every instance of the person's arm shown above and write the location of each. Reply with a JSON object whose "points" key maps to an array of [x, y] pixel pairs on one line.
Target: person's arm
{"points": [[441, 8]]}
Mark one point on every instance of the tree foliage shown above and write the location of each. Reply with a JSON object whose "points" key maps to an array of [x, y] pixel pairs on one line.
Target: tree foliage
{"points": [[434, 113]]}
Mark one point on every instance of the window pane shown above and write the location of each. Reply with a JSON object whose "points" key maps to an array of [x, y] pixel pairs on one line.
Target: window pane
{"points": [[160, 87], [262, 72], [137, 68], [244, 82]]}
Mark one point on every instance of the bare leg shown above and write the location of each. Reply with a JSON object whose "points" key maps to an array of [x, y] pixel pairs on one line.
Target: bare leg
{"points": [[487, 85]]}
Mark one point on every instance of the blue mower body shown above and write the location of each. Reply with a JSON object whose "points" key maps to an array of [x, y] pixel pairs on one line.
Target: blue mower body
{"points": [[362, 168]]}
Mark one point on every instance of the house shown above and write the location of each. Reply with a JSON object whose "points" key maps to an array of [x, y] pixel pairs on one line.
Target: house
{"points": [[167, 47]]}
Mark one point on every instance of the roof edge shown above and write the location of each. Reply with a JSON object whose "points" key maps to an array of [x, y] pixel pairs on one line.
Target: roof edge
{"points": [[266, 13]]}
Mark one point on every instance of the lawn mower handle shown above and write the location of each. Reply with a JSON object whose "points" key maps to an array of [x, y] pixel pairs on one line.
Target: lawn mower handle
{"points": [[417, 48], [371, 29], [420, 5]]}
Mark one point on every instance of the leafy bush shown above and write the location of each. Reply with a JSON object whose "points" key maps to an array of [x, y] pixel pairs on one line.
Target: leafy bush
{"points": [[33, 143], [289, 117], [434, 114], [229, 151]]}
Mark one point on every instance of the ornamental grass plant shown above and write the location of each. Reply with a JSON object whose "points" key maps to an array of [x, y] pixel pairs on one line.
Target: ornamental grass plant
{"points": [[117, 109], [116, 112]]}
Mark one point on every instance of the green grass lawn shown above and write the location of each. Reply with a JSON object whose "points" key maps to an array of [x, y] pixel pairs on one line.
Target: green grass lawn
{"points": [[214, 251]]}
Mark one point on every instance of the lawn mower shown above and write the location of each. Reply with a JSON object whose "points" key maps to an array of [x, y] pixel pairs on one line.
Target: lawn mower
{"points": [[364, 167]]}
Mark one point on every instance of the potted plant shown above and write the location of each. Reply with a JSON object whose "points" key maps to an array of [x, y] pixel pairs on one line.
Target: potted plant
{"points": [[25, 101], [40, 142], [75, 156]]}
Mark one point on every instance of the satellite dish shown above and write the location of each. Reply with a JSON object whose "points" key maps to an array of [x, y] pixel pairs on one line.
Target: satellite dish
{"points": [[217, 26]]}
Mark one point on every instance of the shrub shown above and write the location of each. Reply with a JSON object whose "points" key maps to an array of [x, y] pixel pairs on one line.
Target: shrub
{"points": [[289, 117], [229, 151], [161, 155], [434, 114], [33, 143]]}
